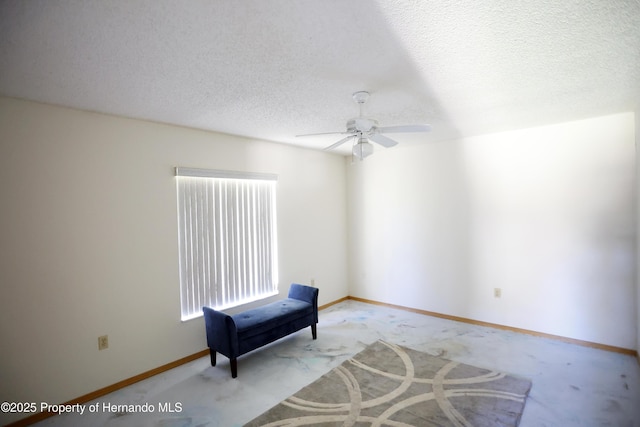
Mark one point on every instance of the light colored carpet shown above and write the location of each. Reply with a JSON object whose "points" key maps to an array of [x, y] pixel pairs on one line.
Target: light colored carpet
{"points": [[390, 385]]}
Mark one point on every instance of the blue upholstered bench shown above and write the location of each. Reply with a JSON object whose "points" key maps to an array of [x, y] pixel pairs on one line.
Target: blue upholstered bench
{"points": [[237, 334]]}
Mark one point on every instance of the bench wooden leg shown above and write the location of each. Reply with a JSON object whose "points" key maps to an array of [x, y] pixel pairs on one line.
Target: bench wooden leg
{"points": [[212, 353], [234, 368], [314, 332]]}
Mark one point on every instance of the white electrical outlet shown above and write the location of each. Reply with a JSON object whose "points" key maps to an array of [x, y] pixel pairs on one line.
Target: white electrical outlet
{"points": [[313, 282], [103, 342], [497, 292]]}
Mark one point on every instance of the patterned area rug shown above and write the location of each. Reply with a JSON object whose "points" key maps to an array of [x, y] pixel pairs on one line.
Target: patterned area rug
{"points": [[389, 385]]}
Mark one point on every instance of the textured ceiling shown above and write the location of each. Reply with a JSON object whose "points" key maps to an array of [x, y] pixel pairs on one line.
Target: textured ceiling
{"points": [[274, 69]]}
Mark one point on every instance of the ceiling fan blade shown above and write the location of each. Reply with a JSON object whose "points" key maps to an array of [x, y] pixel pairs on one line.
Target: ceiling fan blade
{"points": [[323, 133], [404, 128], [342, 141], [383, 140]]}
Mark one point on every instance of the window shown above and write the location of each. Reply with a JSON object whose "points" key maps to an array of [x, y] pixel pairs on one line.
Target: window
{"points": [[227, 238]]}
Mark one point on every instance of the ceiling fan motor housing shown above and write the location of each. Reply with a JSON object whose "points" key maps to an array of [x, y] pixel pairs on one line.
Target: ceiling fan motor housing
{"points": [[361, 124]]}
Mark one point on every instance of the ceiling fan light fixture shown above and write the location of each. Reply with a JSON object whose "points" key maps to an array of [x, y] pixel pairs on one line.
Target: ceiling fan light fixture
{"points": [[362, 149]]}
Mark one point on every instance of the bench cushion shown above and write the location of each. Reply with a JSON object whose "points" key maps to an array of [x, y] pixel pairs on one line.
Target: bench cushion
{"points": [[259, 320]]}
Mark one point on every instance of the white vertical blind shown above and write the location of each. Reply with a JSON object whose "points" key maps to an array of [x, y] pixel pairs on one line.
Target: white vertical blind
{"points": [[227, 238]]}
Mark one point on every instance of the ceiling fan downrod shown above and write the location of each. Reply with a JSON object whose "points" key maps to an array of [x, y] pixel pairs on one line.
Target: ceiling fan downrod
{"points": [[360, 98]]}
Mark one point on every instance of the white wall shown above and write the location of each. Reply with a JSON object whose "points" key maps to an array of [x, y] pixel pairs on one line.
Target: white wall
{"points": [[89, 242], [546, 214], [637, 136]]}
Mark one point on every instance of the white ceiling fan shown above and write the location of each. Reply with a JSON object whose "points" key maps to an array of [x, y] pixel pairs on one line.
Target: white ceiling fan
{"points": [[362, 130]]}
